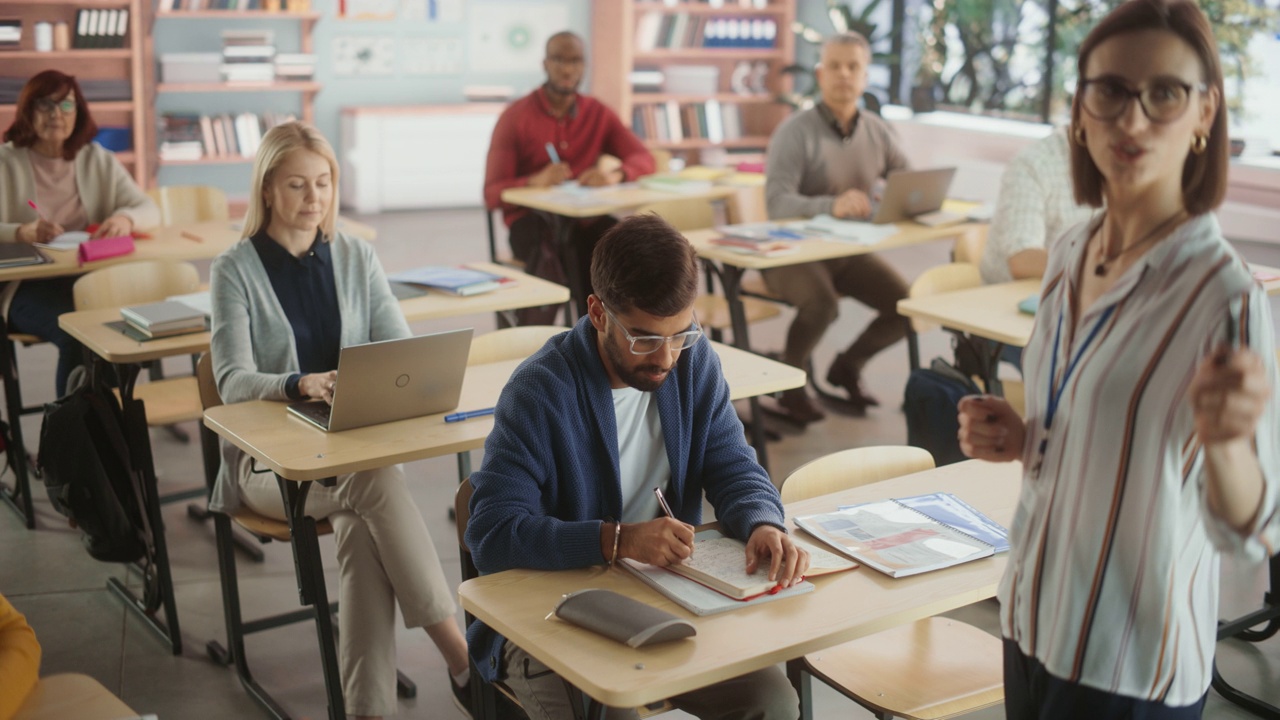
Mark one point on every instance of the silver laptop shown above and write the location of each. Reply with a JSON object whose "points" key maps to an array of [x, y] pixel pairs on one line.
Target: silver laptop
{"points": [[393, 380], [909, 193]]}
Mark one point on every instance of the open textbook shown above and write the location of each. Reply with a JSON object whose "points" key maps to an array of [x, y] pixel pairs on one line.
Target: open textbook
{"points": [[897, 539]]}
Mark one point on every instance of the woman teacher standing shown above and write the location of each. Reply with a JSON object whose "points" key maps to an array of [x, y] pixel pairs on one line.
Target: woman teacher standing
{"points": [[1150, 443], [286, 298], [49, 159]]}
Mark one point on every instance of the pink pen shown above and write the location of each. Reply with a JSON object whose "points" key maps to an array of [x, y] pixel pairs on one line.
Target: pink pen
{"points": [[32, 203]]}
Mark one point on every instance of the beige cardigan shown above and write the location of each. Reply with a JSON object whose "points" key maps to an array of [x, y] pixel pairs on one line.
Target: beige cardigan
{"points": [[106, 189]]}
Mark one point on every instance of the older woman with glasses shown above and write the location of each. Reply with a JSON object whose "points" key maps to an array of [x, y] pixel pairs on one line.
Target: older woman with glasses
{"points": [[53, 179], [1150, 441]]}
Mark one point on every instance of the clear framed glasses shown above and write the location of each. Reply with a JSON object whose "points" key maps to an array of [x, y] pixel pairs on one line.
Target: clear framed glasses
{"points": [[648, 344], [1163, 100], [45, 106]]}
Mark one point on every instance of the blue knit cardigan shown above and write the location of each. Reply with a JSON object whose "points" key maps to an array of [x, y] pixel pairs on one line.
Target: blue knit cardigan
{"points": [[550, 473]]}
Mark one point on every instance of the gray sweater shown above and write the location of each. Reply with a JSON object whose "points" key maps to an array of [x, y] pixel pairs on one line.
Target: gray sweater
{"points": [[809, 164], [253, 347]]}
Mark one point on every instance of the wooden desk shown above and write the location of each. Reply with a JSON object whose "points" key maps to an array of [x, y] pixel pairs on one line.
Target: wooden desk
{"points": [[299, 453], [529, 291], [72, 696], [845, 606], [561, 209], [989, 311]]}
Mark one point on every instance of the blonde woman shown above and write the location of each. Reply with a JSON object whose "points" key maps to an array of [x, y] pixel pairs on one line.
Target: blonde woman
{"points": [[286, 298]]}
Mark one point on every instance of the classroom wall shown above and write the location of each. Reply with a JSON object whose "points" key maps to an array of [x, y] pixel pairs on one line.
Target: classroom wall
{"points": [[473, 23]]}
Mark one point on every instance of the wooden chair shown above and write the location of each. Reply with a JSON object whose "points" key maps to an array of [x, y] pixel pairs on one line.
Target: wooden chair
{"points": [[497, 700], [970, 245], [168, 400], [935, 280], [510, 343], [929, 670], [713, 311], [266, 530], [180, 204], [72, 695]]}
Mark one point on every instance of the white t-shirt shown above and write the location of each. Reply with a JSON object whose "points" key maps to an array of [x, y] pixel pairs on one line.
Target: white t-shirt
{"points": [[642, 456]]}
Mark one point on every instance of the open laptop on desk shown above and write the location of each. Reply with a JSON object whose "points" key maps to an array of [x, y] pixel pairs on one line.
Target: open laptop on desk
{"points": [[910, 194], [393, 380]]}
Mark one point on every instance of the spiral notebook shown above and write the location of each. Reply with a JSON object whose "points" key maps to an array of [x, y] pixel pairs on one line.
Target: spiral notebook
{"points": [[894, 538]]}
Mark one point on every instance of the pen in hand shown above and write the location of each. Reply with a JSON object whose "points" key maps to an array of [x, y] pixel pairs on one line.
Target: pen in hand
{"points": [[552, 154], [467, 415], [666, 509]]}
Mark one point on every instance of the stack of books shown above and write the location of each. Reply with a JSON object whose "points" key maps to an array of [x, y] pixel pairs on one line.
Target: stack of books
{"points": [[189, 136], [105, 28], [673, 122], [248, 56], [163, 319], [180, 137], [10, 34], [295, 67]]}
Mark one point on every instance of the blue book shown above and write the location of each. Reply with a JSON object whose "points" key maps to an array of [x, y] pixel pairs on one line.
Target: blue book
{"points": [[456, 280], [1029, 305]]}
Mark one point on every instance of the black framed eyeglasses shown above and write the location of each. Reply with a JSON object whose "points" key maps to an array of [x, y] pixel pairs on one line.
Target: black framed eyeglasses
{"points": [[648, 344], [1163, 100], [66, 106]]}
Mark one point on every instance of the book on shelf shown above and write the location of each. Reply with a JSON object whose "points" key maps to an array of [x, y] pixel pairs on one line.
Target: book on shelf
{"points": [[457, 280], [295, 66], [165, 318], [895, 538], [10, 34], [658, 30], [189, 136], [97, 28], [669, 121]]}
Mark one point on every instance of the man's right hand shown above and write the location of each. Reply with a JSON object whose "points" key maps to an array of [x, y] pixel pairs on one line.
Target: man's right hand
{"points": [[553, 174], [851, 204], [659, 542], [38, 231]]}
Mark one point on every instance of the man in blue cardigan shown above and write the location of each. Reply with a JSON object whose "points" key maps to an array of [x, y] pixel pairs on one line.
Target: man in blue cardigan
{"points": [[626, 401]]}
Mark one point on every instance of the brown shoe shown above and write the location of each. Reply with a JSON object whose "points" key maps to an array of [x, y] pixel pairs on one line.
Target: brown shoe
{"points": [[799, 407], [843, 375]]}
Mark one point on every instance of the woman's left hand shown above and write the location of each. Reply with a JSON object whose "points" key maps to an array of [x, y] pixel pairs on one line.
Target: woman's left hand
{"points": [[114, 226], [1228, 394]]}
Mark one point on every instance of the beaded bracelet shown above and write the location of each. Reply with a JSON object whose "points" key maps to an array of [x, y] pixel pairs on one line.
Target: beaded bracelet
{"points": [[617, 533]]}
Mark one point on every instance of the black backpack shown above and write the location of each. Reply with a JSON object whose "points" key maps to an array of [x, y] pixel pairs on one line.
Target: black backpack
{"points": [[88, 470], [932, 396]]}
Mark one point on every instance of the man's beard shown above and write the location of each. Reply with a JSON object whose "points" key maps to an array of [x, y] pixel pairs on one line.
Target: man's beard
{"points": [[637, 377]]}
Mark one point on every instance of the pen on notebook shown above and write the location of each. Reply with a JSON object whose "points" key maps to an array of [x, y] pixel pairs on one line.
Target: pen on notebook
{"points": [[458, 417], [551, 153]]}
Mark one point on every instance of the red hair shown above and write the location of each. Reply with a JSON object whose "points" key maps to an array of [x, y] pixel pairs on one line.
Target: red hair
{"points": [[55, 85]]}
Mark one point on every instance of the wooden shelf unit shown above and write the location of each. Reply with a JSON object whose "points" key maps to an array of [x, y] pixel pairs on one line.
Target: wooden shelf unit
{"points": [[306, 89], [614, 28], [131, 62]]}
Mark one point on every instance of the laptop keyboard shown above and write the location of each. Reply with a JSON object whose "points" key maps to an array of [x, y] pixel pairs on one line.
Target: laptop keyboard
{"points": [[317, 412]]}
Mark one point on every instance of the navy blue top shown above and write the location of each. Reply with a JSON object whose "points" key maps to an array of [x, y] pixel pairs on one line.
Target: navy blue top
{"points": [[307, 294]]}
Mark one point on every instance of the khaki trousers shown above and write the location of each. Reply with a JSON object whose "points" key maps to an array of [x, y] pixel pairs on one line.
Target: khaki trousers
{"points": [[384, 554], [761, 695]]}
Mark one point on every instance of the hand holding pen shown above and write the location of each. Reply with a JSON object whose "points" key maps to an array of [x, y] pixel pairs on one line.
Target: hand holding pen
{"points": [[554, 173], [1229, 391], [660, 542], [39, 230]]}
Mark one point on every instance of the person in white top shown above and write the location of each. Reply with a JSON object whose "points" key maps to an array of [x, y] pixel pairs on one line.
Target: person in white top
{"points": [[1036, 205], [1151, 440]]}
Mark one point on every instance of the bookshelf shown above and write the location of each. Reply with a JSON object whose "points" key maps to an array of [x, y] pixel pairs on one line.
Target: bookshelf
{"points": [[731, 104], [306, 90], [125, 66]]}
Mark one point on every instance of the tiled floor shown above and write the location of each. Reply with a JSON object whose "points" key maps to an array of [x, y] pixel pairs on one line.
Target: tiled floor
{"points": [[48, 575]]}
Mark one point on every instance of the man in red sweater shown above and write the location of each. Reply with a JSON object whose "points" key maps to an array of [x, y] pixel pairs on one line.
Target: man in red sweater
{"points": [[581, 129]]}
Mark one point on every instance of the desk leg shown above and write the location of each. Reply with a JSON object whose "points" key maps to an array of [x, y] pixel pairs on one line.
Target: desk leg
{"points": [[562, 228], [19, 500], [731, 281], [311, 590], [159, 587], [803, 683]]}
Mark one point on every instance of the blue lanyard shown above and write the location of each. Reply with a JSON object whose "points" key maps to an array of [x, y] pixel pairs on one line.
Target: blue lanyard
{"points": [[1056, 397]]}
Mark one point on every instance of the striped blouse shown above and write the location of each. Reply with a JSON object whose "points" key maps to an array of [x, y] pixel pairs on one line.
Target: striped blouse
{"points": [[1113, 576]]}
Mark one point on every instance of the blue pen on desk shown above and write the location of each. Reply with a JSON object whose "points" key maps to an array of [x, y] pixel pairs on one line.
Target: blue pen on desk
{"points": [[459, 417], [551, 153]]}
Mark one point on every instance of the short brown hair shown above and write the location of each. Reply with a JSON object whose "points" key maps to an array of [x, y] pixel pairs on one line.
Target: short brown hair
{"points": [[276, 146], [1204, 176], [645, 264], [56, 85]]}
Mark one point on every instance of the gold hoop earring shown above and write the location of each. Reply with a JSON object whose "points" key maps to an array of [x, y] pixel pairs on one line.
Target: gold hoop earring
{"points": [[1077, 134], [1199, 143]]}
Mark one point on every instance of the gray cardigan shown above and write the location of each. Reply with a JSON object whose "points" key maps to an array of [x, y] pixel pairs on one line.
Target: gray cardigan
{"points": [[253, 347]]}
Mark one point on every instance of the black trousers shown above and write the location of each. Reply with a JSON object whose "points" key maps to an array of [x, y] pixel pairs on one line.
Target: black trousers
{"points": [[532, 243], [35, 310], [1031, 693]]}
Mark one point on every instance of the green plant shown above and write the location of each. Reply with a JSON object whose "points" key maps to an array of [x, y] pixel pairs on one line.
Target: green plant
{"points": [[843, 18]]}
